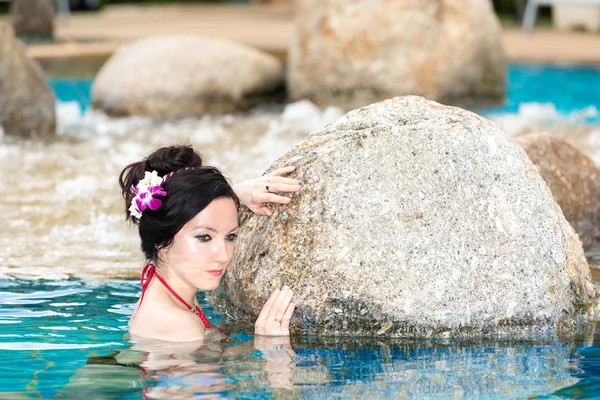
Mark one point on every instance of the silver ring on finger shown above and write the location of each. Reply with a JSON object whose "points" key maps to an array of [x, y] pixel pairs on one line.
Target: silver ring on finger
{"points": [[278, 320], [267, 185]]}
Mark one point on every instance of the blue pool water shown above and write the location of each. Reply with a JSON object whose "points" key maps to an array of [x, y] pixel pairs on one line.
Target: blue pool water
{"points": [[65, 339], [68, 90], [568, 88]]}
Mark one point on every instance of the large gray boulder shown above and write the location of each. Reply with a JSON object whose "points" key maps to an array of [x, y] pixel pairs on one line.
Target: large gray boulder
{"points": [[33, 18], [27, 104], [351, 53], [416, 219], [573, 179], [184, 76]]}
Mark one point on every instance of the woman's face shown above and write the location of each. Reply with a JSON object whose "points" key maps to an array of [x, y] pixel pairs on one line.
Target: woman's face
{"points": [[203, 248]]}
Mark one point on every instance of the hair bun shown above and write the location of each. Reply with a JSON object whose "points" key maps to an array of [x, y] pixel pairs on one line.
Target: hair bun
{"points": [[173, 158], [163, 161]]}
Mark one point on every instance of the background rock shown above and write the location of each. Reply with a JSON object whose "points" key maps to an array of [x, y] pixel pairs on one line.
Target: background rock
{"points": [[184, 76], [351, 53], [574, 180], [416, 219], [33, 17], [27, 105]]}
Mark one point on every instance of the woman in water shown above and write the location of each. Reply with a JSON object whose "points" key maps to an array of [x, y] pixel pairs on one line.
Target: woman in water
{"points": [[187, 216]]}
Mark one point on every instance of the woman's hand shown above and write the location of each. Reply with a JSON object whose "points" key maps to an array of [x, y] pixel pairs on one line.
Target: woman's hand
{"points": [[255, 193], [274, 318]]}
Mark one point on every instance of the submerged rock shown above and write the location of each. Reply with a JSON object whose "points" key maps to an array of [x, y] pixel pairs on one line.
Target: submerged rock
{"points": [[184, 76], [33, 18], [27, 105], [351, 53], [573, 179], [416, 219]]}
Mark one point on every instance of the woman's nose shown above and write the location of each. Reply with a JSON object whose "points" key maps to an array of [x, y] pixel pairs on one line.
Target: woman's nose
{"points": [[222, 252]]}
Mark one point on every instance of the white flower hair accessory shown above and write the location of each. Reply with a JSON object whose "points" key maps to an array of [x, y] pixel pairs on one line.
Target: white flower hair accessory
{"points": [[147, 190], [146, 193]]}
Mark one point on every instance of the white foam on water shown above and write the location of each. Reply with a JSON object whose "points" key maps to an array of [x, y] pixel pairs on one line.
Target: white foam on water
{"points": [[80, 186], [19, 223], [206, 134], [68, 115], [305, 116], [573, 127], [99, 230], [534, 117], [71, 120]]}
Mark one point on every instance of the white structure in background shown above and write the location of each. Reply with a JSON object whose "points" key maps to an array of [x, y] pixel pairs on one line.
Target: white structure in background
{"points": [[567, 14], [567, 17]]}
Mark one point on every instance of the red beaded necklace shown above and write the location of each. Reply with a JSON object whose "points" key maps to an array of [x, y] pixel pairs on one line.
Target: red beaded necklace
{"points": [[149, 272]]}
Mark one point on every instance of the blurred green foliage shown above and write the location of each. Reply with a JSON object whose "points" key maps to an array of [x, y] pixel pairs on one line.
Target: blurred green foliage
{"points": [[514, 8], [506, 6]]}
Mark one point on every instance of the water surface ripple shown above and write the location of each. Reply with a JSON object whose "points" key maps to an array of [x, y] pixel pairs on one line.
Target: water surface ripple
{"points": [[81, 350]]}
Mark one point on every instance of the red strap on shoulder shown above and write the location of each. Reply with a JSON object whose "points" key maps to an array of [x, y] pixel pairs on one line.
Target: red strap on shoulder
{"points": [[202, 317], [149, 272]]}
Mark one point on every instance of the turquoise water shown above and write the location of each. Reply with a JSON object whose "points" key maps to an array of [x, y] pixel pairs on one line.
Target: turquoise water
{"points": [[568, 88], [58, 338], [78, 90]]}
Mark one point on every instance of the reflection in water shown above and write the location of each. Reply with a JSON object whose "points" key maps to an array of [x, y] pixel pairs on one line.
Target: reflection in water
{"points": [[174, 371], [331, 368], [66, 338]]}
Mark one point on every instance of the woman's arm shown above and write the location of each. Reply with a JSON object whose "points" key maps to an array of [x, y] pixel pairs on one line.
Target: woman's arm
{"points": [[256, 193]]}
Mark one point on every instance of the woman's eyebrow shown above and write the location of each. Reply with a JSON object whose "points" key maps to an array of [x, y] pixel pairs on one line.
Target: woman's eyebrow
{"points": [[208, 228]]}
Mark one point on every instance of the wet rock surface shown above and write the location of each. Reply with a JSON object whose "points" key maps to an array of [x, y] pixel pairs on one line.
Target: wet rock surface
{"points": [[573, 179], [184, 76], [27, 105], [350, 53], [416, 219]]}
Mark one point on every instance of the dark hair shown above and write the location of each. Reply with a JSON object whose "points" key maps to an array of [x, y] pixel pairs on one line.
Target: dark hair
{"points": [[189, 191]]}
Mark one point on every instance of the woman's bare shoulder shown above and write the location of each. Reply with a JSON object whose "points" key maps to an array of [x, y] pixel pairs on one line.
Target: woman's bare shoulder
{"points": [[168, 323]]}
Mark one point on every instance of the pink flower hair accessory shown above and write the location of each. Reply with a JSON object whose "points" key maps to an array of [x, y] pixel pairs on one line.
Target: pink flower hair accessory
{"points": [[146, 193]]}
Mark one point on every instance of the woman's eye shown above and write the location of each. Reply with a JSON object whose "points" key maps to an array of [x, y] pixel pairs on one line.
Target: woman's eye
{"points": [[203, 238], [232, 237]]}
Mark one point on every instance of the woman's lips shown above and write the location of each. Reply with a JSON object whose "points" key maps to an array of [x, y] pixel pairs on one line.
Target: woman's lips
{"points": [[216, 272]]}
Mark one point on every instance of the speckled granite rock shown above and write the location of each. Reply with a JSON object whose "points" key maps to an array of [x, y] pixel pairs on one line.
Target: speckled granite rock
{"points": [[33, 17], [184, 76], [574, 180], [416, 219], [351, 53], [26, 101]]}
